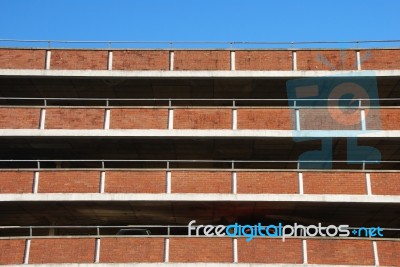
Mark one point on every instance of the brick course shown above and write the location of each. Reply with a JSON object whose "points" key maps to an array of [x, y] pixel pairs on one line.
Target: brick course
{"points": [[12, 251], [279, 119], [380, 59], [140, 60], [267, 183], [22, 59], [135, 182], [263, 60], [19, 118], [357, 252], [200, 249], [330, 119], [74, 118], [132, 118], [16, 182], [202, 60], [201, 182], [260, 250], [334, 183], [384, 119], [385, 183], [57, 250], [388, 253], [123, 250], [202, 119], [79, 60], [69, 182], [326, 60]]}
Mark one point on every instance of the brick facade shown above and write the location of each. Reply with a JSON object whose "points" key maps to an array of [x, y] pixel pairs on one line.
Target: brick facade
{"points": [[74, 118], [133, 118], [201, 182], [69, 182], [135, 182], [267, 182], [202, 118], [66, 250], [334, 183], [16, 182]]}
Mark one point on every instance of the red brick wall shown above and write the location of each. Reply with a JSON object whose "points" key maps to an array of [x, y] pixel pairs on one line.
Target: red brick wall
{"points": [[267, 183], [74, 118], [201, 182], [338, 60], [357, 252], [139, 118], [135, 182], [141, 60], [202, 60], [67, 250], [19, 118], [279, 119], [16, 182], [200, 249], [263, 60], [332, 119], [69, 182], [386, 117], [388, 253], [385, 183], [121, 250], [380, 59], [12, 251], [334, 183], [78, 60], [22, 59], [260, 250], [202, 119]]}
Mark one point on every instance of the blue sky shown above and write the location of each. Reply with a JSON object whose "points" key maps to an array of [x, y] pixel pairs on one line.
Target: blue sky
{"points": [[200, 20]]}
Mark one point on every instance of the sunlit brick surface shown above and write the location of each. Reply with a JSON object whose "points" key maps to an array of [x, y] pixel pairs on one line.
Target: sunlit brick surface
{"points": [[79, 59], [260, 250], [357, 252], [22, 59], [267, 182], [16, 182], [121, 250], [74, 118], [202, 60], [263, 60], [326, 60], [135, 182], [256, 118], [139, 118], [202, 119], [74, 250], [334, 183], [12, 251], [19, 118], [201, 182], [69, 182], [200, 249]]}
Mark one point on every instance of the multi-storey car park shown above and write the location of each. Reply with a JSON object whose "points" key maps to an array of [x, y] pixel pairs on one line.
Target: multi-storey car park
{"points": [[100, 147]]}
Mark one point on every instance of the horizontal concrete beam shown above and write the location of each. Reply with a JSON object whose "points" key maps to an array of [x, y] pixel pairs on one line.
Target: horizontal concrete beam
{"points": [[201, 133], [195, 74], [67, 197]]}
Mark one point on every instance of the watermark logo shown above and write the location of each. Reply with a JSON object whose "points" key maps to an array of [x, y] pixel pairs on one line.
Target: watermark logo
{"points": [[342, 103], [279, 230]]}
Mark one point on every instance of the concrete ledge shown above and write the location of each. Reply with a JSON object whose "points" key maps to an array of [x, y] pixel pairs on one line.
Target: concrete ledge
{"points": [[196, 74], [199, 197], [200, 133]]}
